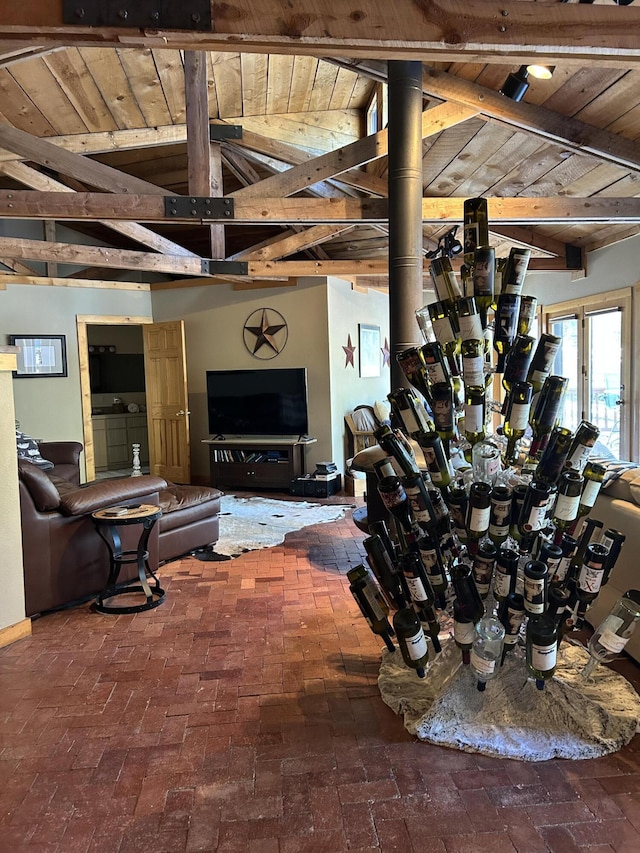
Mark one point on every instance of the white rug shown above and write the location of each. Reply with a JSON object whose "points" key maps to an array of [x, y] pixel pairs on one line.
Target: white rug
{"points": [[248, 524], [570, 718]]}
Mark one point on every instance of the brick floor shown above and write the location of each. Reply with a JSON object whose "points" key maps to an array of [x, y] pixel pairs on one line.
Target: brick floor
{"points": [[243, 714]]}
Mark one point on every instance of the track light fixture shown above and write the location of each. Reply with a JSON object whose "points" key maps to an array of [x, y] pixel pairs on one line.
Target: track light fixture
{"points": [[448, 245], [516, 84]]}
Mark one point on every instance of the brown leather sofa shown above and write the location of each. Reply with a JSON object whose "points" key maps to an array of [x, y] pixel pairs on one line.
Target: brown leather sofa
{"points": [[64, 559]]}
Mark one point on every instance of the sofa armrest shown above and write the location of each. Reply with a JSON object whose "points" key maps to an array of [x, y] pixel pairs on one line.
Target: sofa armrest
{"points": [[103, 493]]}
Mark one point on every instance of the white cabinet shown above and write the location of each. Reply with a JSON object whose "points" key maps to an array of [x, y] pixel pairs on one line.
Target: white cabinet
{"points": [[113, 437]]}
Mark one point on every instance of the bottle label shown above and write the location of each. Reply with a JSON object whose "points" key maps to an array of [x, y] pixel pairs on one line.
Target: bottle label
{"points": [[536, 519], [566, 507], [416, 589], [442, 415], [562, 569], [443, 330], [431, 565], [482, 572], [578, 459], [590, 492], [552, 566], [534, 595], [473, 370], [543, 658], [464, 632], [435, 373], [590, 579], [544, 358], [410, 421], [479, 519], [473, 418], [501, 584], [481, 665], [612, 642], [500, 516], [417, 645], [515, 618], [372, 601], [519, 416], [471, 231], [470, 327], [417, 503]]}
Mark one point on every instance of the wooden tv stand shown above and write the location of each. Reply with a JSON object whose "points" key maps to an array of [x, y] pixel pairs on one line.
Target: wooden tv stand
{"points": [[256, 463]]}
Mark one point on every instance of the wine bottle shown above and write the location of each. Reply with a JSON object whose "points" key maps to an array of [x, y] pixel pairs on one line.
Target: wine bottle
{"points": [[544, 413], [593, 477], [517, 495], [435, 364], [542, 361], [542, 649], [469, 320], [474, 413], [444, 329], [477, 515], [422, 594], [475, 227], [392, 443], [443, 412], [432, 561], [484, 562], [586, 537], [613, 541], [534, 507], [527, 314], [591, 573], [485, 460], [395, 500], [435, 458], [568, 546], [511, 614], [486, 650], [417, 494], [504, 579], [550, 554], [515, 270], [517, 361], [536, 579], [484, 268], [444, 280], [371, 602], [383, 566], [457, 501], [424, 322], [566, 506], [473, 362], [614, 632], [409, 411], [506, 324], [554, 455], [583, 440], [558, 599], [500, 515], [411, 639], [412, 365], [464, 632], [466, 591], [516, 417]]}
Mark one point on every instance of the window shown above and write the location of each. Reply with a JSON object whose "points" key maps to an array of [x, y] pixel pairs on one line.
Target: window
{"points": [[595, 355]]}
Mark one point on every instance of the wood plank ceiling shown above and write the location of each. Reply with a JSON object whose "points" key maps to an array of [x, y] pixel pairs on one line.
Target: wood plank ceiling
{"points": [[80, 119]]}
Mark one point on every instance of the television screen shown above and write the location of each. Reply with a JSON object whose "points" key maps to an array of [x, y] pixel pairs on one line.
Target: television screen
{"points": [[270, 402]]}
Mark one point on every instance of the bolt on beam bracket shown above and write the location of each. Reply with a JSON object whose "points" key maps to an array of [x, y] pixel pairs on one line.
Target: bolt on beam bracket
{"points": [[143, 14], [198, 207]]}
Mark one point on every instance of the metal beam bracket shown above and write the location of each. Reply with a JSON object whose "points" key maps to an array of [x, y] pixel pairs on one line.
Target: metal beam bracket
{"points": [[225, 267], [198, 207], [220, 132], [143, 14]]}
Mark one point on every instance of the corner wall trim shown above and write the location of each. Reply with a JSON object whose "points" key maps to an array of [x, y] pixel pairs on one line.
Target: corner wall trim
{"points": [[12, 633]]}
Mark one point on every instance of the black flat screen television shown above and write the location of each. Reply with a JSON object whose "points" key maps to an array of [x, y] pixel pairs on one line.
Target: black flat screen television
{"points": [[269, 402]]}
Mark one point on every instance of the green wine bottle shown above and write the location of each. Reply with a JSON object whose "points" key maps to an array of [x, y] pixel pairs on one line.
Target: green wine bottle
{"points": [[536, 580], [444, 280], [484, 268], [474, 413], [443, 412], [415, 370], [500, 517], [544, 413], [484, 562], [517, 361], [534, 508], [567, 502], [477, 515], [554, 455], [473, 362], [506, 324], [475, 227], [411, 639], [516, 417], [542, 361], [391, 442], [435, 363], [444, 328], [469, 320], [527, 314], [422, 594], [409, 410], [511, 613], [583, 440], [438, 465], [506, 572], [371, 602], [593, 477], [515, 270]]}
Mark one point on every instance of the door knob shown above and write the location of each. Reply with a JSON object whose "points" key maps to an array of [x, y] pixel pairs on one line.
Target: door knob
{"points": [[182, 412]]}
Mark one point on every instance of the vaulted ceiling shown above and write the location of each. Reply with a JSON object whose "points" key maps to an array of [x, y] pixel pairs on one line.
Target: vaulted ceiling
{"points": [[102, 126]]}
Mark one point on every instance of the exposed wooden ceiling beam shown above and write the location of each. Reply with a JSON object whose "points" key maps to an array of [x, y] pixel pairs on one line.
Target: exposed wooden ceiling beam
{"points": [[45, 281], [25, 204], [444, 30], [288, 244]]}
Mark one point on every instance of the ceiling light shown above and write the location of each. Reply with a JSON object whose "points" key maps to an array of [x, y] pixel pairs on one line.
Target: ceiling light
{"points": [[542, 72], [516, 84]]}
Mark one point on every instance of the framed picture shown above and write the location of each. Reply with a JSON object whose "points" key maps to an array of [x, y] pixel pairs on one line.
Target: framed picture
{"points": [[40, 355], [369, 350]]}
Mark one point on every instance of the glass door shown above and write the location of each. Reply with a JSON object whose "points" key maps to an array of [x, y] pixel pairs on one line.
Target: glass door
{"points": [[595, 356]]}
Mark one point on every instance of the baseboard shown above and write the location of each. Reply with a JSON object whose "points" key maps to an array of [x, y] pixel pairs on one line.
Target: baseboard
{"points": [[15, 632]]}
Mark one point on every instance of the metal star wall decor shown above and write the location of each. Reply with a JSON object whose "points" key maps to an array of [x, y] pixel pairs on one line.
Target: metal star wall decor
{"points": [[349, 350], [386, 353], [266, 327]]}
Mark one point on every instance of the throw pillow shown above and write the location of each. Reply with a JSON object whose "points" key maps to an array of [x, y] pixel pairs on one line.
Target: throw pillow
{"points": [[28, 449]]}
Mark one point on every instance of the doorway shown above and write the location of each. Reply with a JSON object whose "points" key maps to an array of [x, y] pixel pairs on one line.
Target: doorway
{"points": [[113, 420]]}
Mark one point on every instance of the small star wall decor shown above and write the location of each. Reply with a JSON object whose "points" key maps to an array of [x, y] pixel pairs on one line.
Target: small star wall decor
{"points": [[266, 327], [386, 354], [349, 351]]}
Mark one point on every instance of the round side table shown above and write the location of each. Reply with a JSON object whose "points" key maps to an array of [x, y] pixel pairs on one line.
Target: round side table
{"points": [[107, 522]]}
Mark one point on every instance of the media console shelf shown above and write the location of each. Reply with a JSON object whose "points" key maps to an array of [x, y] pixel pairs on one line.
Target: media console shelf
{"points": [[256, 463]]}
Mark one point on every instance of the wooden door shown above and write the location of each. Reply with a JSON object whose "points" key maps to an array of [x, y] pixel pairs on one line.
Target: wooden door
{"points": [[165, 370]]}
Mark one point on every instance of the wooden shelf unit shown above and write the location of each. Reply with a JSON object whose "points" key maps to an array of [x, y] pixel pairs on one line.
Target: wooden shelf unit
{"points": [[260, 463]]}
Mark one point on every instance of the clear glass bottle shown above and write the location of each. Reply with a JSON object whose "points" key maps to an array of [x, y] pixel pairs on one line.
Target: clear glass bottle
{"points": [[614, 632], [485, 461], [486, 650]]}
